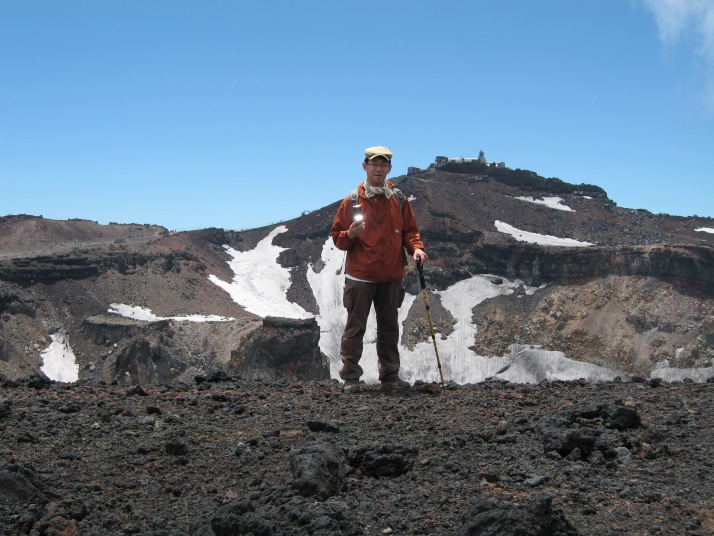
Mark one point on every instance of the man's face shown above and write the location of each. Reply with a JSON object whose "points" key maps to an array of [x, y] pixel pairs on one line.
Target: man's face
{"points": [[377, 170]]}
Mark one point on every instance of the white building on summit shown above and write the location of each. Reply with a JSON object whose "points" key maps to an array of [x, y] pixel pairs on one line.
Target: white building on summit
{"points": [[442, 160]]}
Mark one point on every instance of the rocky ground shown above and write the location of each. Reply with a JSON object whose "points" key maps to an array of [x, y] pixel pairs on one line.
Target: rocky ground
{"points": [[227, 456]]}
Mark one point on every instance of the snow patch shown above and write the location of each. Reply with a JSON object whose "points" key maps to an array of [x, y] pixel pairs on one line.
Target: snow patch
{"points": [[59, 361], [550, 202], [705, 230], [143, 313], [326, 285], [699, 375], [531, 364], [535, 238], [260, 284]]}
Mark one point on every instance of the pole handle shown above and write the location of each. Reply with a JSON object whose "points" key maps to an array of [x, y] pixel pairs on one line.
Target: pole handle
{"points": [[420, 268]]}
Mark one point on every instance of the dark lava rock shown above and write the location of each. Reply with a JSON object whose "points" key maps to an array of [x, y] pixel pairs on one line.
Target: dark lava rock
{"points": [[39, 381], [240, 518], [176, 447], [216, 376], [585, 440], [321, 426], [382, 460], [5, 408], [324, 519], [318, 470], [537, 518], [20, 484], [613, 416]]}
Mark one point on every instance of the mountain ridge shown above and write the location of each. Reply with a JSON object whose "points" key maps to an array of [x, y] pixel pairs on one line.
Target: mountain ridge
{"points": [[55, 274]]}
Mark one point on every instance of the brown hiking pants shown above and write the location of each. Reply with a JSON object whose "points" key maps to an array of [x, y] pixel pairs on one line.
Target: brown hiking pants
{"points": [[358, 298]]}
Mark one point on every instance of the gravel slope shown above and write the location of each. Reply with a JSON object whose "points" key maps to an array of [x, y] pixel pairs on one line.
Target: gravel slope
{"points": [[227, 456]]}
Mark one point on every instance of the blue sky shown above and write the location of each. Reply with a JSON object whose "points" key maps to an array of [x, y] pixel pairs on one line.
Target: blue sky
{"points": [[237, 114]]}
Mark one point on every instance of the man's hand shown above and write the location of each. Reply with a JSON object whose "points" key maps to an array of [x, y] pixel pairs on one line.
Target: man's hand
{"points": [[419, 254], [356, 229]]}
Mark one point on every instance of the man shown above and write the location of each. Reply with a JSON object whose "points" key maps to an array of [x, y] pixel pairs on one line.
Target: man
{"points": [[375, 230]]}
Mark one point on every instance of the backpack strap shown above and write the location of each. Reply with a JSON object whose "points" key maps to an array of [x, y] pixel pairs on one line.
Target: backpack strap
{"points": [[354, 197], [400, 195]]}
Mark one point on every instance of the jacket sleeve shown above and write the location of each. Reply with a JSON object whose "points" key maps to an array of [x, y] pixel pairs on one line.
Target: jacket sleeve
{"points": [[410, 232], [341, 224]]}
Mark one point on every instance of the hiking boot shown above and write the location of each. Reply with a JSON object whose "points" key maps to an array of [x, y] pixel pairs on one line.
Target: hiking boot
{"points": [[352, 386], [395, 385]]}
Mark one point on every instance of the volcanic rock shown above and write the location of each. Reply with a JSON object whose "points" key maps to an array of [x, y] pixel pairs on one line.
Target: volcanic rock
{"points": [[180, 460], [318, 470]]}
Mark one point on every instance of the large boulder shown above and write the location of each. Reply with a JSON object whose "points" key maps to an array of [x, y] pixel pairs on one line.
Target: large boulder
{"points": [[282, 348]]}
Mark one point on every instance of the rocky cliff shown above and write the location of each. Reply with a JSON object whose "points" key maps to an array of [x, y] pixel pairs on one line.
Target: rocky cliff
{"points": [[282, 348]]}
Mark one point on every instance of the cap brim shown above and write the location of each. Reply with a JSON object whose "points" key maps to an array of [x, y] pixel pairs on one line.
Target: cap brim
{"points": [[388, 158]]}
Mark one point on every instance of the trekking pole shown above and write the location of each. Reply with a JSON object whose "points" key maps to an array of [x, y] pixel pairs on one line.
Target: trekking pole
{"points": [[422, 282]]}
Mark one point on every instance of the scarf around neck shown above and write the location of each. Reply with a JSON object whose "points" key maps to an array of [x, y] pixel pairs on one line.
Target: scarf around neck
{"points": [[371, 191]]}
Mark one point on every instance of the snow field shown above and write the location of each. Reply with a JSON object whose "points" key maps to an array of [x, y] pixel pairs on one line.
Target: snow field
{"points": [[260, 284]]}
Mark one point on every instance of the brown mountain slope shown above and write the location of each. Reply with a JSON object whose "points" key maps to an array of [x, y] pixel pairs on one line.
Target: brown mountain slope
{"points": [[640, 295]]}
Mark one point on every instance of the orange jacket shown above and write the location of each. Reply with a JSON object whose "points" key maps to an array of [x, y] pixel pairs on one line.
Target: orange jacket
{"points": [[377, 254]]}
